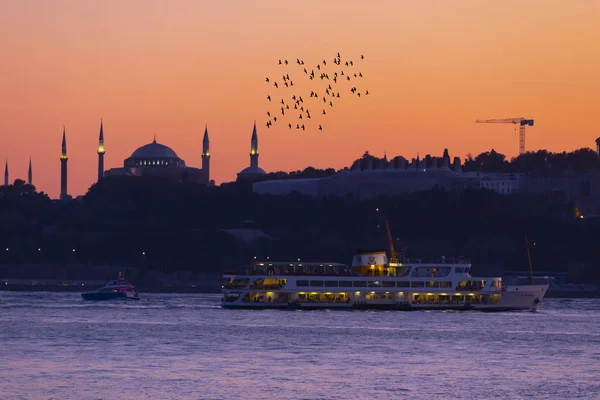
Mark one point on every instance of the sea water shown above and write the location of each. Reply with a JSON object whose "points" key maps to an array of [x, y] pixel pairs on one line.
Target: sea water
{"points": [[171, 346]]}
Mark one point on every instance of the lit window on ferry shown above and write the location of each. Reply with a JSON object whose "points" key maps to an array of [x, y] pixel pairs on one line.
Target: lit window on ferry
{"points": [[445, 284], [374, 284], [431, 272], [432, 284]]}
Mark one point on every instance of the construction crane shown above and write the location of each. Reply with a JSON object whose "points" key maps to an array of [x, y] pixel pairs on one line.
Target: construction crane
{"points": [[522, 122], [390, 242]]}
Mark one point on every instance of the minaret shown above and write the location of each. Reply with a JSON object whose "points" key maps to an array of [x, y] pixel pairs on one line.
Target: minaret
{"points": [[63, 167], [254, 148], [206, 154], [30, 174], [6, 173], [100, 153]]}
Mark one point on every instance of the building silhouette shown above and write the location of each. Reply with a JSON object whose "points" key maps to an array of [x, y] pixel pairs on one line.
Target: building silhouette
{"points": [[253, 172], [63, 167], [30, 173], [156, 159], [101, 152], [206, 153]]}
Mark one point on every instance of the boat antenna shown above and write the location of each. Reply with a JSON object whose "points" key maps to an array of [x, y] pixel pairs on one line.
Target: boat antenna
{"points": [[529, 258]]}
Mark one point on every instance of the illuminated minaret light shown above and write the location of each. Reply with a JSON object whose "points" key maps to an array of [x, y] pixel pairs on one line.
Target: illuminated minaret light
{"points": [[206, 154], [254, 148], [63, 167], [101, 153]]}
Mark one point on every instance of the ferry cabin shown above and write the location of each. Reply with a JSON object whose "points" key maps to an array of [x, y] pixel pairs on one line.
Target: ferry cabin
{"points": [[371, 282]]}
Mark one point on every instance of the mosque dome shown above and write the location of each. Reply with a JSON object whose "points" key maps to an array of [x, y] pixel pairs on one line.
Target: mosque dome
{"points": [[154, 155], [252, 171], [154, 150]]}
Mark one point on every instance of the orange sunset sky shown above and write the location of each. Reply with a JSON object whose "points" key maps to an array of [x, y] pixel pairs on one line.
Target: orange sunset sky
{"points": [[432, 68]]}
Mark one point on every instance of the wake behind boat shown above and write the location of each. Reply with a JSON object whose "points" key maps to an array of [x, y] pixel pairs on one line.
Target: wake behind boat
{"points": [[113, 290]]}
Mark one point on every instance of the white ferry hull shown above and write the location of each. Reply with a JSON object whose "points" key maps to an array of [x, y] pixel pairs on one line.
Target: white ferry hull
{"points": [[374, 284], [512, 298]]}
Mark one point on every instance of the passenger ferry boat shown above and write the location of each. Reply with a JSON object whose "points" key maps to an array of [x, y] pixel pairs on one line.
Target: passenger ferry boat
{"points": [[115, 289], [373, 282]]}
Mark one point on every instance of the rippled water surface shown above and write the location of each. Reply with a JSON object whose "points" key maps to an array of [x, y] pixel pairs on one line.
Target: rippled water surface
{"points": [[56, 346]]}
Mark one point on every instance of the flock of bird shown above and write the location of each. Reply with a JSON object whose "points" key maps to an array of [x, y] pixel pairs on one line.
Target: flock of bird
{"points": [[328, 87]]}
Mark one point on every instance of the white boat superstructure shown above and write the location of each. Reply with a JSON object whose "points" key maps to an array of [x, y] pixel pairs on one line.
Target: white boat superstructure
{"points": [[374, 283]]}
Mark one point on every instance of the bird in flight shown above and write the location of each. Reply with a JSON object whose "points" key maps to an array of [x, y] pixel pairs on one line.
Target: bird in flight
{"points": [[327, 88]]}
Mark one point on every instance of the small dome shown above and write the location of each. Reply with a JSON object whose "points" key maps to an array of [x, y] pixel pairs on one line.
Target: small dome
{"points": [[154, 150], [252, 171]]}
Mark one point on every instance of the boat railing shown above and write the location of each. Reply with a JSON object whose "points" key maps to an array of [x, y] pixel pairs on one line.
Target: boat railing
{"points": [[267, 286], [235, 285], [253, 272], [434, 260]]}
